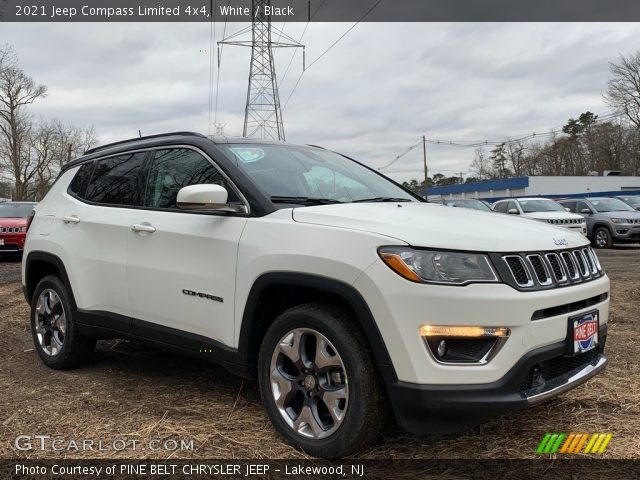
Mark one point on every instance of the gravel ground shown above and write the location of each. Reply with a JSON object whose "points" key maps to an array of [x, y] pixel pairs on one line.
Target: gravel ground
{"points": [[140, 394]]}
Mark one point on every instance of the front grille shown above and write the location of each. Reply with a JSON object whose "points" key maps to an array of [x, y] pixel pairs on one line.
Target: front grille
{"points": [[558, 366], [10, 229], [537, 270], [565, 221]]}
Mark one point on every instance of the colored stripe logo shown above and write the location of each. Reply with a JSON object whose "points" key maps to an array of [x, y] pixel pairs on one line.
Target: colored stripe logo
{"points": [[594, 443]]}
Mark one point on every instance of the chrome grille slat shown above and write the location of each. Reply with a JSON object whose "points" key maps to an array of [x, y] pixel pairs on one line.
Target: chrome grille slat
{"points": [[540, 269], [582, 263], [557, 268], [590, 263], [570, 265]]}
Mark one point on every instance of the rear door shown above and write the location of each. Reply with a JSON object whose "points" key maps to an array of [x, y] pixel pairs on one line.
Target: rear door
{"points": [[95, 221], [181, 265]]}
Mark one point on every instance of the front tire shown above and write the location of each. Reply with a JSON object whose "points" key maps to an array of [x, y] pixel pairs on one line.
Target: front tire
{"points": [[602, 238], [53, 328], [319, 383]]}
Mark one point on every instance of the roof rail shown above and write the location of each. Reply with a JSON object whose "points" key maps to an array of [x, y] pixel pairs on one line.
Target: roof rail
{"points": [[170, 134]]}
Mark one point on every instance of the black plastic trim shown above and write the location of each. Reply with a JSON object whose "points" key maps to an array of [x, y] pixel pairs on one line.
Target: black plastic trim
{"points": [[324, 284], [46, 258], [423, 409]]}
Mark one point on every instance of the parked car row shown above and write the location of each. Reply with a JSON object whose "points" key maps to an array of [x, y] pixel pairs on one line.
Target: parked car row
{"points": [[604, 220]]}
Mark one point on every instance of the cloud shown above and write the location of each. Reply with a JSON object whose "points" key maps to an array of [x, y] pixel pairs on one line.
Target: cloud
{"points": [[371, 96]]}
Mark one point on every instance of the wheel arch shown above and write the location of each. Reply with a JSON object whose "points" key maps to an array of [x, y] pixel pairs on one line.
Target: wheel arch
{"points": [[274, 292], [40, 264]]}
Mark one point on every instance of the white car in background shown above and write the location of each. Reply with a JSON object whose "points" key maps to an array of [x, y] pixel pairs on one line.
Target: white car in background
{"points": [[544, 210]]}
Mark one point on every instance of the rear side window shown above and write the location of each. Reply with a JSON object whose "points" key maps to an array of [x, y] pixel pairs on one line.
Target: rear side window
{"points": [[176, 168], [78, 185], [117, 180]]}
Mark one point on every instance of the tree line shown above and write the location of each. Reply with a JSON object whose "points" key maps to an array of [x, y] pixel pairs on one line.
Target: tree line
{"points": [[32, 151], [586, 145]]}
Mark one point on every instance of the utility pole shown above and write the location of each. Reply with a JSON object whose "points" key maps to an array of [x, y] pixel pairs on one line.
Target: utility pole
{"points": [[262, 115], [426, 172]]}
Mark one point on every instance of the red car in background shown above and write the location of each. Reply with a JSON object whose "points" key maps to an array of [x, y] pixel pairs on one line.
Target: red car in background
{"points": [[14, 221]]}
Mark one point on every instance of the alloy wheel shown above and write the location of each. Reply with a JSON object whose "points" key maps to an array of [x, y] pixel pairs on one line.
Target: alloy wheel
{"points": [[50, 322], [309, 383], [602, 238]]}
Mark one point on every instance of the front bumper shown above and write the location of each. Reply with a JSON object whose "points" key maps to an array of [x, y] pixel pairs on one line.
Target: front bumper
{"points": [[12, 243], [433, 409], [626, 233]]}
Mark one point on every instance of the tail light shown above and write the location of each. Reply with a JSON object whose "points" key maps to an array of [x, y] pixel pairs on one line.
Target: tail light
{"points": [[30, 219]]}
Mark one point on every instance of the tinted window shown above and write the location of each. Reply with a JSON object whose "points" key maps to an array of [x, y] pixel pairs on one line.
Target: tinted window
{"points": [[79, 183], [570, 205], [581, 206], [117, 180], [174, 169], [501, 207]]}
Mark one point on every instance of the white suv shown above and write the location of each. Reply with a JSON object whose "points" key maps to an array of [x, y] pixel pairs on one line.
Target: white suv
{"points": [[344, 296], [544, 210]]}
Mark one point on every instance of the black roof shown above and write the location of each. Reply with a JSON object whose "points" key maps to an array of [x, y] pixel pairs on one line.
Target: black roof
{"points": [[160, 140]]}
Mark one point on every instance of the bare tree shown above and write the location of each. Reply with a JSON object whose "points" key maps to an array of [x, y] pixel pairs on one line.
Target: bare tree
{"points": [[481, 165], [17, 90], [623, 90]]}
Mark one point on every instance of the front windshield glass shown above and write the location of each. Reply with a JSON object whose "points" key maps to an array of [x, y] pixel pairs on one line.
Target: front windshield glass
{"points": [[474, 204], [288, 171], [15, 210], [603, 205], [540, 205]]}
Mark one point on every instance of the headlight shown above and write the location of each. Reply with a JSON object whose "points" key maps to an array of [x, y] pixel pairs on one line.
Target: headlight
{"points": [[428, 266], [619, 220]]}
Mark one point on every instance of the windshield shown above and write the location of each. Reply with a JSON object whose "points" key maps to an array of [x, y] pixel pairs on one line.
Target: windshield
{"points": [[603, 205], [301, 174], [474, 204], [633, 200], [15, 210], [540, 205]]}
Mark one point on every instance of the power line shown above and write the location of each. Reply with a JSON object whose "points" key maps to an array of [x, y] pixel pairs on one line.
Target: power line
{"points": [[328, 49], [482, 143], [295, 51]]}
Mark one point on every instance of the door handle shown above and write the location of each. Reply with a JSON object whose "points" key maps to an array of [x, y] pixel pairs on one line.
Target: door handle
{"points": [[71, 219], [143, 227]]}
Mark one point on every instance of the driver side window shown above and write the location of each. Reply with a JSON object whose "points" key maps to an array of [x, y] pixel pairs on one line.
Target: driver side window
{"points": [[176, 168]]}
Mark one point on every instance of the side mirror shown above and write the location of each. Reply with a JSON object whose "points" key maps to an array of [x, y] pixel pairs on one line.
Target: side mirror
{"points": [[586, 210], [209, 198], [513, 211], [567, 209]]}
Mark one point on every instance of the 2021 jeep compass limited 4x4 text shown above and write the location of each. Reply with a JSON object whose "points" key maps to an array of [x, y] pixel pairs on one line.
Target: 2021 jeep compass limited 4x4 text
{"points": [[347, 298]]}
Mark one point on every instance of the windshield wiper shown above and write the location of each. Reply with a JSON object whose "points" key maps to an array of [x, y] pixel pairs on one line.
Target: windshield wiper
{"points": [[382, 199], [304, 200]]}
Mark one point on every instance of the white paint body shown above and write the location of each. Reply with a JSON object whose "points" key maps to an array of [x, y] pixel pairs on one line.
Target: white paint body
{"points": [[141, 274]]}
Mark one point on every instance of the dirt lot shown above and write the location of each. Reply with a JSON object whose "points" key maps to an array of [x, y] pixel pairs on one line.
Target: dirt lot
{"points": [[138, 394]]}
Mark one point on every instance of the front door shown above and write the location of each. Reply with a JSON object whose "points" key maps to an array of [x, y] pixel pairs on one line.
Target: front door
{"points": [[181, 266]]}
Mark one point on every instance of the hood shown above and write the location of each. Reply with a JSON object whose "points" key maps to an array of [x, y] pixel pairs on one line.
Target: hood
{"points": [[554, 216], [13, 222], [437, 226], [625, 215]]}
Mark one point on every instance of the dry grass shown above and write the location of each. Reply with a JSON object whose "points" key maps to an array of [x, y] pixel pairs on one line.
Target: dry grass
{"points": [[137, 393]]}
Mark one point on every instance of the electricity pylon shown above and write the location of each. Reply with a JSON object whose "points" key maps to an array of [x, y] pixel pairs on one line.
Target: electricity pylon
{"points": [[262, 115]]}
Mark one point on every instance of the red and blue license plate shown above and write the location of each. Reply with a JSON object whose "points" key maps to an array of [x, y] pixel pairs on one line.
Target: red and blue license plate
{"points": [[583, 332]]}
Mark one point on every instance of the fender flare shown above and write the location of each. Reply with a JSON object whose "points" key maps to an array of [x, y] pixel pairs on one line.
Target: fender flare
{"points": [[47, 258], [328, 285]]}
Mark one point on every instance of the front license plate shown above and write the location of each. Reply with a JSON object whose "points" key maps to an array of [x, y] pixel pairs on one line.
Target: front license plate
{"points": [[583, 332]]}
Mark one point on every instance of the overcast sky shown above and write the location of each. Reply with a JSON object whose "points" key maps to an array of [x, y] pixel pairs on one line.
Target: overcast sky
{"points": [[373, 95]]}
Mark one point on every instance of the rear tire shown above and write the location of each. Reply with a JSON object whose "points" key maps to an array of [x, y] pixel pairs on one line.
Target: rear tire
{"points": [[53, 328], [319, 383], [602, 238]]}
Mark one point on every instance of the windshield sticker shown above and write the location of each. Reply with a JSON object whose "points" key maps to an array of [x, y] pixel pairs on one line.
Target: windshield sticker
{"points": [[248, 154]]}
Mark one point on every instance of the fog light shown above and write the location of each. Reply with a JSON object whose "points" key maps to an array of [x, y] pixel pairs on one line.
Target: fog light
{"points": [[463, 345]]}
